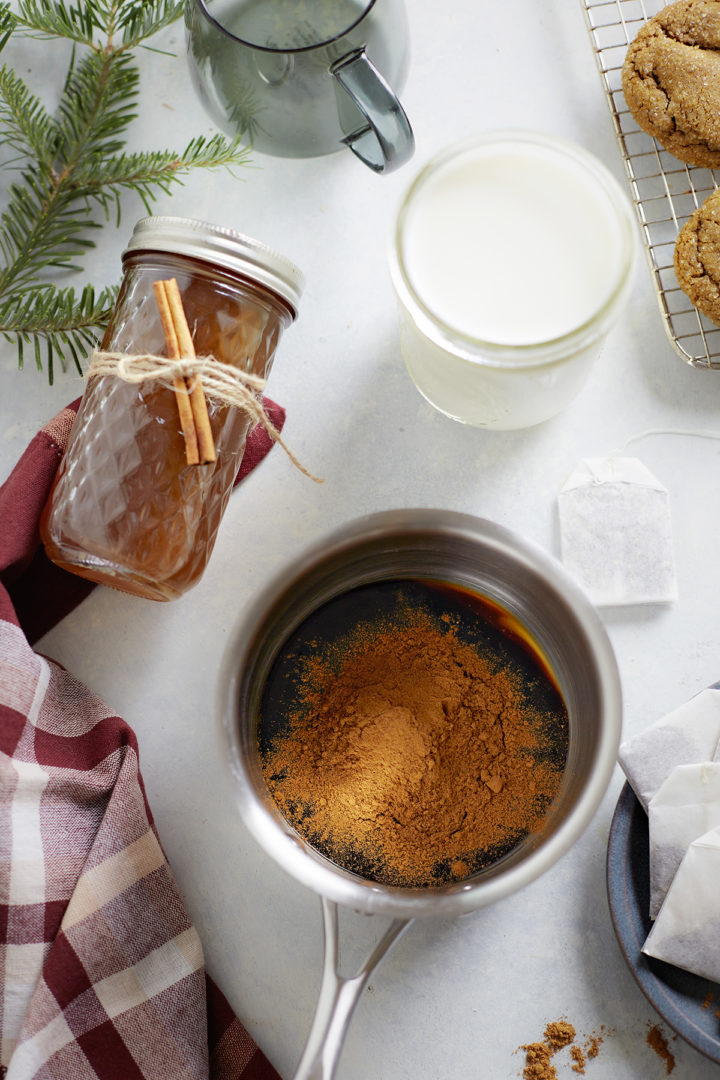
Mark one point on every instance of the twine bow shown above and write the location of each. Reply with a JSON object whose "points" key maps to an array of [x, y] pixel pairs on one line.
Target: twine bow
{"points": [[221, 383]]}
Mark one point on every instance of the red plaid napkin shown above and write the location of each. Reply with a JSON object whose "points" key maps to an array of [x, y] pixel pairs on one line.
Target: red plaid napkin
{"points": [[101, 971]]}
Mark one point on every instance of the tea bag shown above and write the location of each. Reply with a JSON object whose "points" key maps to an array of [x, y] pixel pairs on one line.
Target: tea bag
{"points": [[615, 532], [687, 735], [686, 806], [686, 931]]}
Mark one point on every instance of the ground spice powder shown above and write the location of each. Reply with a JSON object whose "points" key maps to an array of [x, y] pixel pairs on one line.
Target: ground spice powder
{"points": [[539, 1064], [559, 1033], [414, 758], [657, 1042]]}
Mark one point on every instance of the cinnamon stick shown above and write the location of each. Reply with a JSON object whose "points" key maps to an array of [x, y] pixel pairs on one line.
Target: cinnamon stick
{"points": [[192, 407], [206, 445], [187, 423]]}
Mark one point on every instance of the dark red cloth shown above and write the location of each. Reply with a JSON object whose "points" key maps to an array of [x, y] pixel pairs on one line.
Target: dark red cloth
{"points": [[101, 971], [40, 593]]}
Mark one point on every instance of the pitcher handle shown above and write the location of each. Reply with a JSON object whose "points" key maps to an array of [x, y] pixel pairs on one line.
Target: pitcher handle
{"points": [[386, 141], [338, 997]]}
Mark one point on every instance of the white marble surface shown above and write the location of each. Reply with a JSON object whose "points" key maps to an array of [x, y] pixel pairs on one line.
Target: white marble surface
{"points": [[454, 999]]}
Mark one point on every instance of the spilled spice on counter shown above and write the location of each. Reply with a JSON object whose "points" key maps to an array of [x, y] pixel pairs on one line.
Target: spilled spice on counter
{"points": [[558, 1035], [537, 1062], [538, 1066], [592, 1045], [657, 1042], [412, 755], [582, 1054], [579, 1059]]}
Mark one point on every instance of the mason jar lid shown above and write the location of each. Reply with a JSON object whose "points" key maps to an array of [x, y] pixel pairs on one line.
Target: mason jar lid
{"points": [[224, 247]]}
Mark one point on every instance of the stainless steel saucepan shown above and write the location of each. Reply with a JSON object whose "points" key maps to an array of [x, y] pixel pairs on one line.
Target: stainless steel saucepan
{"points": [[533, 587]]}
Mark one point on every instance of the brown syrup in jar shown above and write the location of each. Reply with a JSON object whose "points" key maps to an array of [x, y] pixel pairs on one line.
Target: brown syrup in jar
{"points": [[126, 510]]}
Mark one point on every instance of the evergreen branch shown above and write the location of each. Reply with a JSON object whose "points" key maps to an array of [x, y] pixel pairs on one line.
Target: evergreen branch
{"points": [[39, 229], [132, 20], [97, 106], [24, 123], [53, 18], [56, 321], [144, 171], [74, 162], [40, 226], [7, 24], [141, 19], [148, 173], [55, 311]]}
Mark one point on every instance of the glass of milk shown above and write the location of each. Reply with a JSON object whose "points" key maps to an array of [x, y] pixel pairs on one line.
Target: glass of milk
{"points": [[512, 256]]}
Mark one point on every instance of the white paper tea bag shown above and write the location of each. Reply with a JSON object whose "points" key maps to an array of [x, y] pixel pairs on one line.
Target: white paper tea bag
{"points": [[615, 533], [685, 736], [686, 931], [686, 806]]}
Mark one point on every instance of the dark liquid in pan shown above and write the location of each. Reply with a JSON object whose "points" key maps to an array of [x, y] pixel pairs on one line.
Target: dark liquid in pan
{"points": [[488, 629]]}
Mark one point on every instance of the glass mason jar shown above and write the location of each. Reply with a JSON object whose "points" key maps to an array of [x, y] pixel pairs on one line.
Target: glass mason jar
{"points": [[512, 257], [126, 509]]}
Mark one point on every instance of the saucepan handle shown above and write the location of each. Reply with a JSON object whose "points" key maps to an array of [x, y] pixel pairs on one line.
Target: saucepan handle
{"points": [[385, 141], [338, 997]]}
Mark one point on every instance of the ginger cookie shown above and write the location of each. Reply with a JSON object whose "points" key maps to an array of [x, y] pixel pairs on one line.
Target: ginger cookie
{"points": [[671, 80], [697, 257]]}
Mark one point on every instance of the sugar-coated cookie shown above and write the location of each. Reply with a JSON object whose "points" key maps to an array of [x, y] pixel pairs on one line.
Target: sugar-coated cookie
{"points": [[671, 80], [697, 257]]}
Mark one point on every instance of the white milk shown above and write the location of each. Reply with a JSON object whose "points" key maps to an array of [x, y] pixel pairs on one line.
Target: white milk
{"points": [[504, 245]]}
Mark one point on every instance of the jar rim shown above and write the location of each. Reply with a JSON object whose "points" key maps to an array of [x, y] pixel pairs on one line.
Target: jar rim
{"points": [[223, 246], [521, 355]]}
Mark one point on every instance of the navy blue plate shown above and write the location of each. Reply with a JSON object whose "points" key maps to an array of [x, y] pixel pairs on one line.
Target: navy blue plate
{"points": [[686, 1002]]}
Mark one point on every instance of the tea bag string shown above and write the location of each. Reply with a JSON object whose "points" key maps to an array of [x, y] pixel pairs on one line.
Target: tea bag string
{"points": [[649, 433], [701, 434], [600, 474], [221, 383]]}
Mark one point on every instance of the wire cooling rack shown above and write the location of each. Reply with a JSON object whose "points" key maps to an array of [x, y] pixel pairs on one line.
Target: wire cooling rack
{"points": [[664, 190]]}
